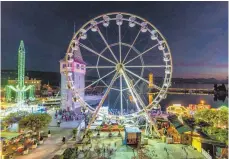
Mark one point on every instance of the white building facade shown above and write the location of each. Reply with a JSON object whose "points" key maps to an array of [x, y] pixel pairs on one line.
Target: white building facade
{"points": [[78, 69]]}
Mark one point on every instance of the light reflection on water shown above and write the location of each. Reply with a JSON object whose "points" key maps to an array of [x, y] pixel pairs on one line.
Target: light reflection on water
{"points": [[183, 99], [187, 99]]}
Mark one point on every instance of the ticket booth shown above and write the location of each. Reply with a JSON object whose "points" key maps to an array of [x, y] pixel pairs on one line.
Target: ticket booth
{"points": [[132, 136]]}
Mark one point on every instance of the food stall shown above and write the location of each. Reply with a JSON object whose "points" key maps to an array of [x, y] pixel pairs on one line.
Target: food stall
{"points": [[132, 136]]}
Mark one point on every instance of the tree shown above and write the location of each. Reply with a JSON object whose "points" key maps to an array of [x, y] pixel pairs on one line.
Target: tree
{"points": [[217, 133], [35, 122], [14, 117], [215, 118], [218, 123], [74, 131], [98, 128], [109, 128], [70, 153], [98, 150], [222, 118], [89, 134]]}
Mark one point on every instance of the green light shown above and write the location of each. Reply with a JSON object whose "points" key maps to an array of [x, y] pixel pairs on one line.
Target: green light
{"points": [[223, 107], [31, 93], [8, 94], [20, 89]]}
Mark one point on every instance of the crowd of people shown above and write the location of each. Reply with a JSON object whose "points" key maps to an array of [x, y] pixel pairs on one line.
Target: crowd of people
{"points": [[65, 115], [118, 112]]}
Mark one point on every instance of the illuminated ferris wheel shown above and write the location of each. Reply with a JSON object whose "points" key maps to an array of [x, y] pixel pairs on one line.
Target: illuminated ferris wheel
{"points": [[120, 50]]}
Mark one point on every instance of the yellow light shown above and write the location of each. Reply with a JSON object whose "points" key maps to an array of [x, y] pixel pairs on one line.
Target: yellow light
{"points": [[202, 101]]}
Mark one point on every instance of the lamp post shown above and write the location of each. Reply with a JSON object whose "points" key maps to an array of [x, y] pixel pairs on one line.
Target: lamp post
{"points": [[84, 114], [127, 106]]}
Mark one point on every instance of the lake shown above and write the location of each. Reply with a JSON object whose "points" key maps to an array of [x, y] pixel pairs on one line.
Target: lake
{"points": [[183, 99], [186, 99]]}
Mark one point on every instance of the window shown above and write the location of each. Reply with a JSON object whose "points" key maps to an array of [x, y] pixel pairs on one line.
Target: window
{"points": [[77, 66], [64, 65], [82, 68]]}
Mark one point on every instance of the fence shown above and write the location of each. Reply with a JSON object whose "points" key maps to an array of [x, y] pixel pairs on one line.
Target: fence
{"points": [[207, 155]]}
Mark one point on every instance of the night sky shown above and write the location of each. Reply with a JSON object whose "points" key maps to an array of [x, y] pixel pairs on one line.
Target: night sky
{"points": [[197, 32]]}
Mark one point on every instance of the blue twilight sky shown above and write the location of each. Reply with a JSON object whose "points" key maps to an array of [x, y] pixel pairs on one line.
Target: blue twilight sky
{"points": [[197, 32]]}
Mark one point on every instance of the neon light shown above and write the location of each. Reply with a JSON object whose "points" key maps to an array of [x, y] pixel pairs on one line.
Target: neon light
{"points": [[177, 105], [8, 94], [20, 89]]}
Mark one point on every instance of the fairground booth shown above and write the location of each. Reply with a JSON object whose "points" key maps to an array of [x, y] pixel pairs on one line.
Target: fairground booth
{"points": [[132, 136]]}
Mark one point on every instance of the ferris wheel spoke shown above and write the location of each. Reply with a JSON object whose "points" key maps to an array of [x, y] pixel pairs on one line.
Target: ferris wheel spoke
{"points": [[120, 43], [127, 103], [151, 122], [97, 81], [108, 46], [116, 100], [139, 98], [93, 51], [100, 66], [135, 92], [128, 83], [155, 86], [131, 46], [148, 66], [121, 104], [102, 100], [141, 54]]}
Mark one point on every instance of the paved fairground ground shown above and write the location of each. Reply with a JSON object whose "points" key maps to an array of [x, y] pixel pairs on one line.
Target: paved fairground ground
{"points": [[155, 149], [54, 143]]}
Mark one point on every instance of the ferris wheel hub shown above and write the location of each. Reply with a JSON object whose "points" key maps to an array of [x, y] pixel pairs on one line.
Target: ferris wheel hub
{"points": [[119, 67]]}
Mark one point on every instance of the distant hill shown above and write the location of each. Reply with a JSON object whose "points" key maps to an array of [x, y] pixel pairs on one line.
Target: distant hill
{"points": [[54, 78]]}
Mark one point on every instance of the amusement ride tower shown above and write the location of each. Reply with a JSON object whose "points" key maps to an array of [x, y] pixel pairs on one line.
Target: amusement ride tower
{"points": [[20, 88]]}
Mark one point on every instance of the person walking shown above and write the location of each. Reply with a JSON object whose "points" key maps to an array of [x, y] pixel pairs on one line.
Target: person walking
{"points": [[63, 140], [58, 123]]}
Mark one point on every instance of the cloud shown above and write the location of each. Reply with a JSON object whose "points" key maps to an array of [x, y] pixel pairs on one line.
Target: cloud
{"points": [[215, 75], [202, 64]]}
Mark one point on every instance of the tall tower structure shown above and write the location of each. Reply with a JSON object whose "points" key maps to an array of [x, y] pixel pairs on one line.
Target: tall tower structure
{"points": [[21, 71], [150, 93], [78, 70], [20, 89]]}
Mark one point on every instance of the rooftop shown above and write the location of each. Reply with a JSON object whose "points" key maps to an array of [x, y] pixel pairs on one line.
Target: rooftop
{"points": [[132, 129]]}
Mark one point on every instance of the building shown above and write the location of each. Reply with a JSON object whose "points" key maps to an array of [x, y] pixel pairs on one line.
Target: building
{"points": [[178, 110], [78, 70], [195, 107], [132, 136], [178, 131], [7, 75], [32, 81]]}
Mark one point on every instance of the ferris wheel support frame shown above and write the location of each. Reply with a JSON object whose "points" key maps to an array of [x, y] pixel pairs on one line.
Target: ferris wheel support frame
{"points": [[148, 118]]}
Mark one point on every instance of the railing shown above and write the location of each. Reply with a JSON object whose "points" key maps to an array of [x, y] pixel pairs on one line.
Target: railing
{"points": [[195, 89], [207, 155]]}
